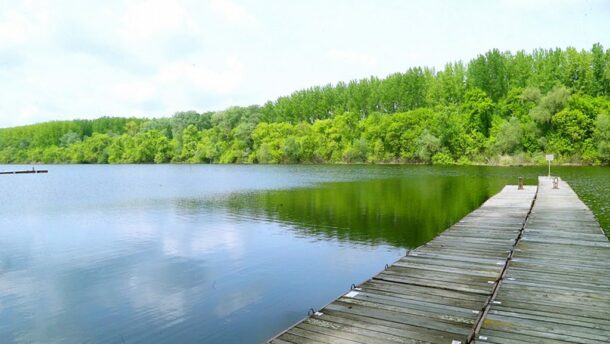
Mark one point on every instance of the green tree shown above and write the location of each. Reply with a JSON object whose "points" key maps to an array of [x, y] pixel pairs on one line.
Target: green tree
{"points": [[602, 136], [600, 65], [553, 102], [509, 136], [69, 138], [498, 103], [479, 109], [190, 138], [489, 73], [572, 125], [428, 145]]}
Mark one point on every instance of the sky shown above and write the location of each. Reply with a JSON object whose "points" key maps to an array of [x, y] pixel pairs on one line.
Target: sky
{"points": [[86, 59]]}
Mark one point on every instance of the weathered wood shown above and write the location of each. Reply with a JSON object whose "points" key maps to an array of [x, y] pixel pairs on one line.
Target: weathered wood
{"points": [[557, 286], [24, 171], [512, 271], [434, 294]]}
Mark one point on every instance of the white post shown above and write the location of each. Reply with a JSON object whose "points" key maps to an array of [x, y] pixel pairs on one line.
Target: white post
{"points": [[549, 158]]}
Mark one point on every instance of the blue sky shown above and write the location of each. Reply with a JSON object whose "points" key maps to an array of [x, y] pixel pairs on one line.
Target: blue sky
{"points": [[85, 59]]}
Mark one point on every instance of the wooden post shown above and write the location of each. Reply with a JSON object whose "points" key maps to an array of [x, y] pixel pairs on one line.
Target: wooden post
{"points": [[555, 182], [520, 183]]}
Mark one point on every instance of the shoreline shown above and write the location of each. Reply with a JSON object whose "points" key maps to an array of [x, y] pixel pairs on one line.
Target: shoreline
{"points": [[390, 163]]}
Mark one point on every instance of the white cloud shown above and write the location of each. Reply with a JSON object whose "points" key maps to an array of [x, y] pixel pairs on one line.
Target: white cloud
{"points": [[134, 91], [222, 79], [232, 12], [144, 19], [15, 28], [176, 84], [353, 57], [547, 5], [61, 59], [237, 300], [23, 23]]}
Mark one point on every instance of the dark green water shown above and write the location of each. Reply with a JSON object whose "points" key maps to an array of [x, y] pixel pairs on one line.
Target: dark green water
{"points": [[219, 254], [592, 186], [374, 211], [370, 211]]}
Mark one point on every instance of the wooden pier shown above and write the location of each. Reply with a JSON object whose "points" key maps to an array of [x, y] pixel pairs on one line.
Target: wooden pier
{"points": [[24, 171], [557, 287], [527, 266]]}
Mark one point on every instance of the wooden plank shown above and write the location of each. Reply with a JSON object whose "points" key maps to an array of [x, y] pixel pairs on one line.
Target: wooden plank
{"points": [[557, 286], [457, 328], [544, 329], [501, 337], [546, 281], [418, 334], [434, 294]]}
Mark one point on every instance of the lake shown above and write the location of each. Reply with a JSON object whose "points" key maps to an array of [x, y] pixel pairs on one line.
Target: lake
{"points": [[219, 253]]}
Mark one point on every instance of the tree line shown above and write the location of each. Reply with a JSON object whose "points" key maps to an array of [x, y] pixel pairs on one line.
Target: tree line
{"points": [[499, 108]]}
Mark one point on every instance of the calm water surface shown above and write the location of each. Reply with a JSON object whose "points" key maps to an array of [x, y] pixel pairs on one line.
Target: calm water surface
{"points": [[218, 254]]}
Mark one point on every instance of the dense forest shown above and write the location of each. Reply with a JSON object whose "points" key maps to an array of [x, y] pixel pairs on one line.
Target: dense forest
{"points": [[500, 108]]}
